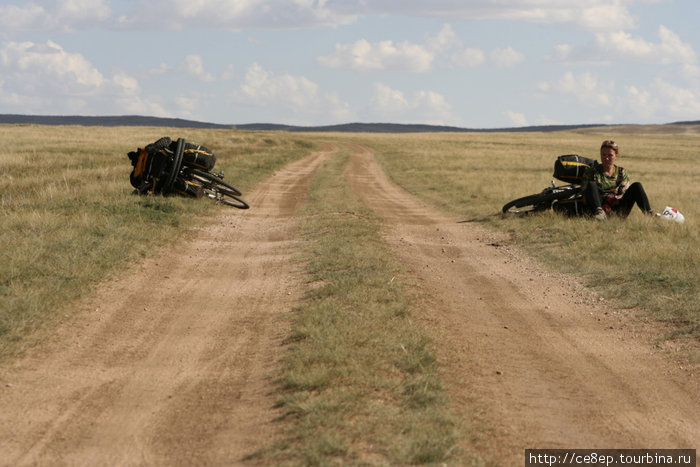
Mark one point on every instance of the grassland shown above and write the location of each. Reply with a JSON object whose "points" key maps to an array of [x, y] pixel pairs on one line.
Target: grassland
{"points": [[640, 263], [69, 221]]}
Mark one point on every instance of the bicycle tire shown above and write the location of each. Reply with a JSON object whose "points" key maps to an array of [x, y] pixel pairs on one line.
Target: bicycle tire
{"points": [[537, 202], [217, 189], [209, 177], [175, 169]]}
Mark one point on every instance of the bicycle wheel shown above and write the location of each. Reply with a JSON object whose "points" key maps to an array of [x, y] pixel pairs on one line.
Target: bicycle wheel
{"points": [[538, 202], [217, 189], [175, 168], [208, 177]]}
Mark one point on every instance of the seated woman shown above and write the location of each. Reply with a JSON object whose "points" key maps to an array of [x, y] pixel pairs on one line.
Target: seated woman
{"points": [[607, 188]]}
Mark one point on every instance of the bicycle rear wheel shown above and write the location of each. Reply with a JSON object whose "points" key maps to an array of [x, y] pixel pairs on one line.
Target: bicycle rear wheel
{"points": [[217, 189], [167, 186]]}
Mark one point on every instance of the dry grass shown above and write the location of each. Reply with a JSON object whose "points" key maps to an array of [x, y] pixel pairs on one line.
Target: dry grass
{"points": [[360, 378], [68, 219], [646, 264]]}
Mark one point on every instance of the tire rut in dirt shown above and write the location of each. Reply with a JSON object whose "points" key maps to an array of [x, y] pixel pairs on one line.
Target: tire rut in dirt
{"points": [[521, 353]]}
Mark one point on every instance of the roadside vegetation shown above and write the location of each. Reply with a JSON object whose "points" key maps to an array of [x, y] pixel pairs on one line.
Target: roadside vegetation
{"points": [[640, 263], [359, 382], [68, 219]]}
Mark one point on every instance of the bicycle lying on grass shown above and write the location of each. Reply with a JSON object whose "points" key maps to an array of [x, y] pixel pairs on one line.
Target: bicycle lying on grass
{"points": [[166, 167], [566, 199]]}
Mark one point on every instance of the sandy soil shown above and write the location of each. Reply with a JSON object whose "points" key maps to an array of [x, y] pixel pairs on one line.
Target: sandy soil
{"points": [[172, 364]]}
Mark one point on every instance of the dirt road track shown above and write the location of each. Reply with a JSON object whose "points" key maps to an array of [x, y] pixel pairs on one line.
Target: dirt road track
{"points": [[519, 347], [171, 365]]}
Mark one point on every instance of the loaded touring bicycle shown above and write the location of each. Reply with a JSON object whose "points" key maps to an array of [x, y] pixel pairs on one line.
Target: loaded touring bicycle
{"points": [[566, 199], [180, 167]]}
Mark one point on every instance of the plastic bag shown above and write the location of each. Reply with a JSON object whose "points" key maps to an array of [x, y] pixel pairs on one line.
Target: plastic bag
{"points": [[672, 214]]}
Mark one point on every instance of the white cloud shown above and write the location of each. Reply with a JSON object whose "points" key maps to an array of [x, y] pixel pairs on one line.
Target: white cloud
{"points": [[263, 88], [585, 87], [194, 65], [45, 78], [623, 47], [34, 67], [445, 39], [388, 101], [662, 101], [191, 65], [506, 58], [65, 15], [603, 15], [417, 58], [339, 110], [425, 107], [681, 103], [234, 15], [300, 96], [135, 105], [381, 56], [57, 15], [659, 102], [592, 14], [469, 57], [474, 57], [516, 119]]}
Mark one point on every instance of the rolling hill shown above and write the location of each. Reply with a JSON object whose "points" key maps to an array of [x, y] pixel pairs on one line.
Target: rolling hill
{"points": [[138, 120]]}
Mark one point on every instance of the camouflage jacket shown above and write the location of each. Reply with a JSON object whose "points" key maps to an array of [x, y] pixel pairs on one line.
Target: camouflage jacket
{"points": [[617, 183]]}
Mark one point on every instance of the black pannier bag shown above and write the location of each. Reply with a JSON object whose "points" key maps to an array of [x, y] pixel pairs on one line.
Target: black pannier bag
{"points": [[570, 168], [149, 166], [198, 156], [188, 188]]}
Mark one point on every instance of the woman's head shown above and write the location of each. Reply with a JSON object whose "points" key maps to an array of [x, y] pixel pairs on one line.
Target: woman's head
{"points": [[608, 143], [608, 154]]}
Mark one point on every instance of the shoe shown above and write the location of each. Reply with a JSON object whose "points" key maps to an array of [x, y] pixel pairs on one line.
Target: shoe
{"points": [[600, 214]]}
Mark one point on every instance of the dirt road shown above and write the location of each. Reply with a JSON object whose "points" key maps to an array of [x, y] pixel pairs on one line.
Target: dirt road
{"points": [[521, 348], [171, 365]]}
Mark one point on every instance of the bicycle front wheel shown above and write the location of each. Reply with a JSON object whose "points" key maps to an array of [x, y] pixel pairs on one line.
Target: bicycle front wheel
{"points": [[217, 189], [538, 202]]}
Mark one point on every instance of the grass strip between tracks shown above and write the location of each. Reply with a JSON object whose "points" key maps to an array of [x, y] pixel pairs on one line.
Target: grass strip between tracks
{"points": [[359, 382]]}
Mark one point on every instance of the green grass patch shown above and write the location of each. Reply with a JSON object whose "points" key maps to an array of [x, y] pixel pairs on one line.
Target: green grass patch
{"points": [[68, 219], [359, 381]]}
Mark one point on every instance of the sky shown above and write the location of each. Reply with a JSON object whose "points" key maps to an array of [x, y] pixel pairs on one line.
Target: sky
{"points": [[466, 63]]}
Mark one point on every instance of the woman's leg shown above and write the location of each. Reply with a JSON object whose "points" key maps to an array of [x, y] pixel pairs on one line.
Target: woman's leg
{"points": [[592, 196], [635, 194]]}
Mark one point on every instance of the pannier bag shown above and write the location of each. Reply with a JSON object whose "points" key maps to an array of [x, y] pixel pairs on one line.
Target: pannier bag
{"points": [[188, 188], [198, 156], [149, 166], [570, 168]]}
